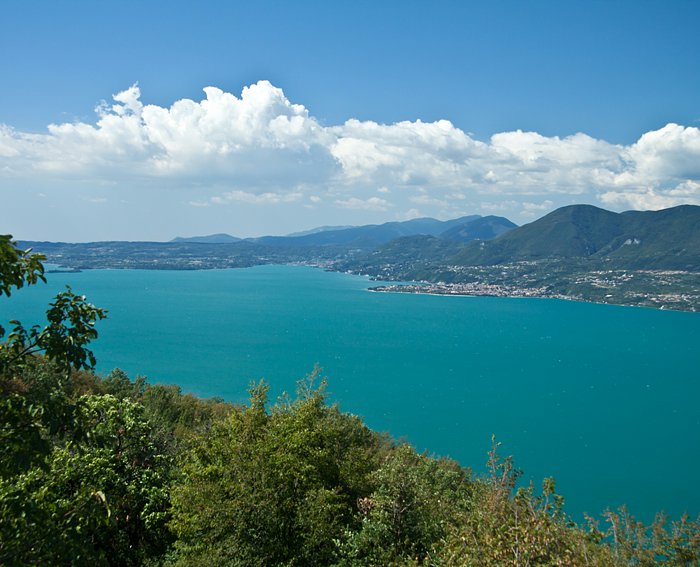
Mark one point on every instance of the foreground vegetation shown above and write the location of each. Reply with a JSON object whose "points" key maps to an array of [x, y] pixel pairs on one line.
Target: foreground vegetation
{"points": [[112, 471]]}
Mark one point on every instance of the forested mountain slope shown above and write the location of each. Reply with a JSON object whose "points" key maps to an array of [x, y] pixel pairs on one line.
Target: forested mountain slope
{"points": [[666, 239]]}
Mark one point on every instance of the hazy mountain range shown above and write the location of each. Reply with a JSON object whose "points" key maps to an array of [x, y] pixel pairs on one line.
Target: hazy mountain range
{"points": [[461, 229], [668, 239], [649, 258]]}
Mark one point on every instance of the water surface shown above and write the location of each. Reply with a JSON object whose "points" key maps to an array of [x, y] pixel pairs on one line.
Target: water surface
{"points": [[603, 398]]}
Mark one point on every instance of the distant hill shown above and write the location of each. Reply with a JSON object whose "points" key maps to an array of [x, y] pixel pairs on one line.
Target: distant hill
{"points": [[220, 238], [660, 240], [364, 237], [421, 256], [318, 229], [368, 236], [413, 249], [666, 239], [484, 228], [649, 258]]}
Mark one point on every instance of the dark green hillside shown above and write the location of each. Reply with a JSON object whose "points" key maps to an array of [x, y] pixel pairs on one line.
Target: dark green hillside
{"points": [[415, 257], [420, 248], [649, 258], [667, 239], [574, 231], [484, 228], [422, 256]]}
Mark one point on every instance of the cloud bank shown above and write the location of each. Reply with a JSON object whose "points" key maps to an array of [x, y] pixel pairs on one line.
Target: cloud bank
{"points": [[260, 149]]}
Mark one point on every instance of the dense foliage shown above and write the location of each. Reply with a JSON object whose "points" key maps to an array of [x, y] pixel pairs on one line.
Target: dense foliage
{"points": [[112, 471]]}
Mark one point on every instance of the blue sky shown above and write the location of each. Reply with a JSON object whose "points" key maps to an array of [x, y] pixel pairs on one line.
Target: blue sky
{"points": [[542, 104]]}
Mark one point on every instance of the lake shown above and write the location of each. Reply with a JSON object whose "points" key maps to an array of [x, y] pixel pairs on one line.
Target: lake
{"points": [[603, 398]]}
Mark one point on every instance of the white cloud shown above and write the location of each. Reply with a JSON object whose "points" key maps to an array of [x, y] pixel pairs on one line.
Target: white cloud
{"points": [[671, 153], [275, 153], [268, 198], [543, 206], [8, 142], [425, 199], [687, 192], [409, 214], [259, 137], [371, 204], [500, 206]]}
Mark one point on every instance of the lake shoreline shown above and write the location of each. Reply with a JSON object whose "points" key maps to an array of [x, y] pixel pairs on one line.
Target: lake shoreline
{"points": [[490, 290]]}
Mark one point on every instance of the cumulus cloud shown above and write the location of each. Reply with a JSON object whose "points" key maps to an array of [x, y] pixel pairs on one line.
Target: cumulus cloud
{"points": [[687, 192], [274, 152], [671, 153], [260, 137]]}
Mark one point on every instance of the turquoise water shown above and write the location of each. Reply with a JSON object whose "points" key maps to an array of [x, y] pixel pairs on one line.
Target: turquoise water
{"points": [[603, 398]]}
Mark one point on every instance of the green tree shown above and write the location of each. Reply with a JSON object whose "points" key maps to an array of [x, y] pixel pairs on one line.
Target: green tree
{"points": [[71, 318], [504, 527], [18, 267], [663, 543], [99, 498], [30, 413], [273, 487], [414, 501], [82, 481]]}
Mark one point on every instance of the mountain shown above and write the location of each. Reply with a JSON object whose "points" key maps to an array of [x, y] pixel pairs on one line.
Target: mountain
{"points": [[649, 258], [424, 256], [666, 239], [362, 237], [220, 238], [414, 249], [483, 228], [368, 236], [638, 240], [318, 229]]}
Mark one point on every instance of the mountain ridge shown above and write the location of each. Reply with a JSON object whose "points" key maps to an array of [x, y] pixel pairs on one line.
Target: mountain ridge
{"points": [[366, 236], [664, 239], [649, 258], [668, 239], [218, 238]]}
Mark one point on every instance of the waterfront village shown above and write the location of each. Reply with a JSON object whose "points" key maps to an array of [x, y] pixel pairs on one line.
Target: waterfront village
{"points": [[476, 289], [661, 289]]}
